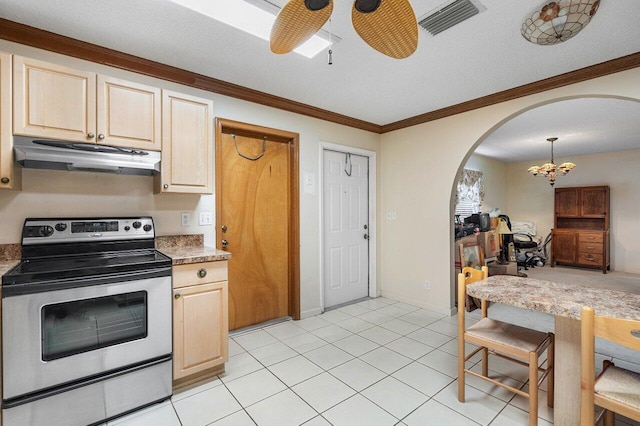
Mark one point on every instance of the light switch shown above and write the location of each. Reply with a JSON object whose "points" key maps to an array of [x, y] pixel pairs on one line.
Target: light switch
{"points": [[392, 215], [309, 184], [205, 218]]}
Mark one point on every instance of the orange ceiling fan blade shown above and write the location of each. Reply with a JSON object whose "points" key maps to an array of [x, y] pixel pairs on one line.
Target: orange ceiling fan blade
{"points": [[297, 21], [389, 26]]}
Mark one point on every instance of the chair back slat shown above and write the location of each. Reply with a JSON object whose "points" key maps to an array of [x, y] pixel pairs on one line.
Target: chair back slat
{"points": [[466, 277], [621, 331]]}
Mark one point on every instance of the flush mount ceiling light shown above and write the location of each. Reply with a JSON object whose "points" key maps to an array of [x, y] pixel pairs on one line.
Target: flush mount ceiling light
{"points": [[555, 22], [389, 26], [256, 17], [550, 170]]}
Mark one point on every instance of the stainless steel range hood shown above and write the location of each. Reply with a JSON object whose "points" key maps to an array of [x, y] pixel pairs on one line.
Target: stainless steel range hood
{"points": [[58, 155]]}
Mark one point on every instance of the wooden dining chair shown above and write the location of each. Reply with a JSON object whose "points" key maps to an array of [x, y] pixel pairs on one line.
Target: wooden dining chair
{"points": [[616, 389], [514, 343]]}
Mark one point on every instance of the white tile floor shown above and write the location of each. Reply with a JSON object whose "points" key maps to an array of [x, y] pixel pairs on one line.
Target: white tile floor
{"points": [[377, 362]]}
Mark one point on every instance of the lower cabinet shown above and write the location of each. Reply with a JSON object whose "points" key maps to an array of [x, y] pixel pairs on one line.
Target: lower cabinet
{"points": [[583, 248], [200, 320], [564, 246]]}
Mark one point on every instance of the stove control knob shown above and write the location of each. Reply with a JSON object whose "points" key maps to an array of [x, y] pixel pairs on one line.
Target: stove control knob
{"points": [[61, 226], [137, 224], [45, 231], [147, 227], [126, 228]]}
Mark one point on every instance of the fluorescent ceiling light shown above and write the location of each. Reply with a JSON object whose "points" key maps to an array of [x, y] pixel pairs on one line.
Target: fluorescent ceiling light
{"points": [[255, 17]]}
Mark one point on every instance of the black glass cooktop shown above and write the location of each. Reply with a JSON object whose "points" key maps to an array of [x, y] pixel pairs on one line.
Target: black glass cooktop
{"points": [[58, 268]]}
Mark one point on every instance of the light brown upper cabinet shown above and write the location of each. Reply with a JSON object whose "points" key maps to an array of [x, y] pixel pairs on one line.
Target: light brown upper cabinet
{"points": [[187, 144], [9, 175], [56, 102]]}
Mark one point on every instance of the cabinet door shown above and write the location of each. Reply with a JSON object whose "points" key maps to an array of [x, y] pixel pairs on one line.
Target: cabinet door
{"points": [[594, 201], [128, 114], [187, 144], [567, 202], [564, 246], [9, 175], [51, 101], [200, 328]]}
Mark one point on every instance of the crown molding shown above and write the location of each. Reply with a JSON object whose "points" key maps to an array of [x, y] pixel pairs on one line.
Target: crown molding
{"points": [[598, 70], [41, 39]]}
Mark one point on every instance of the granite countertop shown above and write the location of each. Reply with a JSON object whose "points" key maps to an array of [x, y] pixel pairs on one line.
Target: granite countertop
{"points": [[556, 298], [5, 265], [184, 249], [185, 255], [9, 257]]}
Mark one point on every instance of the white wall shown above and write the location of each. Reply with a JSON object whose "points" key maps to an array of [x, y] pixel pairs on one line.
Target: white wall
{"points": [[531, 198], [418, 169], [55, 193]]}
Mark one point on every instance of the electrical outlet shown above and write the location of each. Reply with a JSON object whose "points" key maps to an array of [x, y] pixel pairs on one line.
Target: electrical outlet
{"points": [[427, 285], [186, 218], [392, 215], [205, 218]]}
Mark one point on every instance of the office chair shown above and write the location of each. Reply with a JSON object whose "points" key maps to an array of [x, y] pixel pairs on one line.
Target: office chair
{"points": [[511, 342], [616, 389], [530, 250], [530, 253]]}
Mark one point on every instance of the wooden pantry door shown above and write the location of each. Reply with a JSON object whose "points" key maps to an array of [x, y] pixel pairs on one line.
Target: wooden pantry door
{"points": [[257, 220]]}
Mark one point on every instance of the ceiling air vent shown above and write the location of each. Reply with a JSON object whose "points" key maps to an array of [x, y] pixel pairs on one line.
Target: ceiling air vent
{"points": [[450, 14]]}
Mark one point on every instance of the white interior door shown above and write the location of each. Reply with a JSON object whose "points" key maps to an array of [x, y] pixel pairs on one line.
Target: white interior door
{"points": [[346, 227]]}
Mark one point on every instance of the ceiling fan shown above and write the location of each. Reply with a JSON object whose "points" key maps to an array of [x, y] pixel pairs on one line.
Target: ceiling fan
{"points": [[389, 26]]}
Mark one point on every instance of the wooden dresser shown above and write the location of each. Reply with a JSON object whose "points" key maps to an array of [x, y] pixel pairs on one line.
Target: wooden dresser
{"points": [[581, 227]]}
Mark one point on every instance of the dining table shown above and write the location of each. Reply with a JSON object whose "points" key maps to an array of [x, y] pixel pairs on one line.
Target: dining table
{"points": [[564, 301]]}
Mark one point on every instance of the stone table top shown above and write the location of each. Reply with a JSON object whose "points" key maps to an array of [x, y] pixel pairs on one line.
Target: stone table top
{"points": [[556, 298], [185, 255]]}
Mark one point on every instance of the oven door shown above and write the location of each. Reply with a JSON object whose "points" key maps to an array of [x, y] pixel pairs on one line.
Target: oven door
{"points": [[58, 337]]}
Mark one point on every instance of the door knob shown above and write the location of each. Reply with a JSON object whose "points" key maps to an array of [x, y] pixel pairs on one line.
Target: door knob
{"points": [[366, 236], [224, 243], [224, 228]]}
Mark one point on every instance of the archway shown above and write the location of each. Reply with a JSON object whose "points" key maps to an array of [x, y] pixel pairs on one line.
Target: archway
{"points": [[585, 179]]}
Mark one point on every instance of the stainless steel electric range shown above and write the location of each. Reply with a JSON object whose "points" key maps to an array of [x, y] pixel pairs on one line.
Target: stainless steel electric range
{"points": [[86, 322]]}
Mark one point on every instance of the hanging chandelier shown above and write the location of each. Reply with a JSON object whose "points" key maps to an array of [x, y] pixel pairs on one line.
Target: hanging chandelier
{"points": [[550, 170], [558, 21]]}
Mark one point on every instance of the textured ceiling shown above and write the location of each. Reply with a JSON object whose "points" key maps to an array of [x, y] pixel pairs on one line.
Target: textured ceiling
{"points": [[483, 55], [582, 126]]}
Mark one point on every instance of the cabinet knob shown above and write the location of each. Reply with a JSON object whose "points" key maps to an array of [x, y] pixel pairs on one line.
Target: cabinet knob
{"points": [[5, 180], [165, 186], [91, 135], [100, 136], [202, 273], [176, 296]]}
